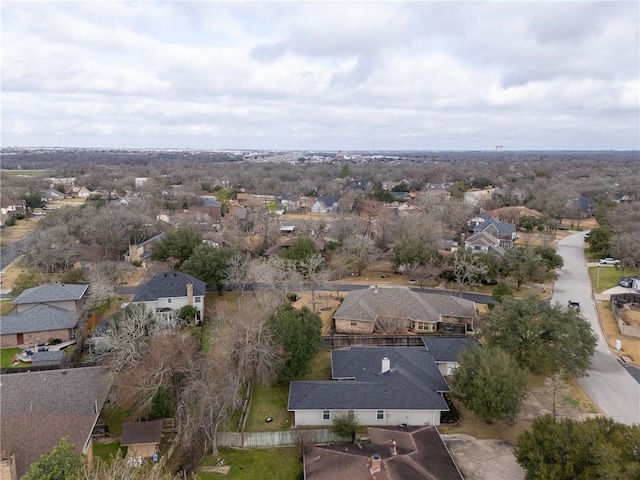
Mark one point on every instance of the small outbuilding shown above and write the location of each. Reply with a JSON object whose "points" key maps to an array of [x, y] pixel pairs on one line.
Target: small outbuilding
{"points": [[141, 438]]}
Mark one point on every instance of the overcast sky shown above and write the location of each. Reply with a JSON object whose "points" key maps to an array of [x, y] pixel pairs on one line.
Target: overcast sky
{"points": [[326, 76]]}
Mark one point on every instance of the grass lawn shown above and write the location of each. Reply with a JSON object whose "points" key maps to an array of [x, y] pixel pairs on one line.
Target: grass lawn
{"points": [[6, 357], [272, 401], [6, 307], [115, 418], [608, 276], [108, 450], [269, 402], [261, 464]]}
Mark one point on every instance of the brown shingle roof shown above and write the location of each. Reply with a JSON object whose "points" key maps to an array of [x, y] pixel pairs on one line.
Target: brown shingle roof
{"points": [[421, 454], [30, 434], [141, 432], [368, 304]]}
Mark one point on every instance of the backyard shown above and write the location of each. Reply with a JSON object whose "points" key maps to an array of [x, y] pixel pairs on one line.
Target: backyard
{"points": [[283, 463]]}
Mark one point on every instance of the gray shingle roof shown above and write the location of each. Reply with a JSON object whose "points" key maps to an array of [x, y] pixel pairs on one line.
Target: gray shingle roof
{"points": [[52, 292], [501, 227], [48, 356], [74, 390], [400, 302], [413, 383], [38, 319], [168, 285], [445, 349]]}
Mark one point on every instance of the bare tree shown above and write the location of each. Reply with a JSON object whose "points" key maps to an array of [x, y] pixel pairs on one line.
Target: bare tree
{"points": [[128, 337], [314, 276], [274, 278], [467, 268], [249, 344], [236, 273], [359, 252], [52, 250], [166, 365], [626, 248], [104, 278]]}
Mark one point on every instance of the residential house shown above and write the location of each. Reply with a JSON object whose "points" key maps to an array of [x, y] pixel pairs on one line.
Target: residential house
{"points": [[49, 311], [210, 212], [38, 324], [514, 214], [166, 293], [41, 407], [141, 252], [50, 195], [503, 231], [380, 386], [399, 309], [286, 244], [411, 453], [325, 203], [74, 191], [11, 208], [446, 350], [484, 242], [141, 181], [68, 296], [142, 439]]}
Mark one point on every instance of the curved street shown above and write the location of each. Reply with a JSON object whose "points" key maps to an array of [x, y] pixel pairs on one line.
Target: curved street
{"points": [[610, 386]]}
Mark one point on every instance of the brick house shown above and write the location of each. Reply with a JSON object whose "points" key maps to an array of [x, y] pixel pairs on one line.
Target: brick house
{"points": [[399, 309]]}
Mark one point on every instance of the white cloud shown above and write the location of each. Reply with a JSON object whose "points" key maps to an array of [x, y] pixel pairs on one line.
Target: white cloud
{"points": [[321, 75]]}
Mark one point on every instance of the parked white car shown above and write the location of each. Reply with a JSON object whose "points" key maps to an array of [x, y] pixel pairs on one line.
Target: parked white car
{"points": [[609, 261]]}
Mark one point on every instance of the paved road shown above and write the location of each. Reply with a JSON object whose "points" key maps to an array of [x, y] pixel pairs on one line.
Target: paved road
{"points": [[608, 384], [13, 251]]}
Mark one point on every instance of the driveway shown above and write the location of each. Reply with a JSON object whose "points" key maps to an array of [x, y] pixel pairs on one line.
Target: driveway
{"points": [[483, 459], [607, 383]]}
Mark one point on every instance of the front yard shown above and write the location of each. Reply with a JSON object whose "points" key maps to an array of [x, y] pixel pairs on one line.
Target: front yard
{"points": [[605, 277]]}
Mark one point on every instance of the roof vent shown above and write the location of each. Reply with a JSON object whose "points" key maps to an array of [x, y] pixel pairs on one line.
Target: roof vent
{"points": [[386, 365]]}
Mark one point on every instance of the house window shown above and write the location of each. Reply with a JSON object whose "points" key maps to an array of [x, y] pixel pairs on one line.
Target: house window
{"points": [[351, 414], [326, 415], [380, 415], [353, 324], [168, 300], [198, 299]]}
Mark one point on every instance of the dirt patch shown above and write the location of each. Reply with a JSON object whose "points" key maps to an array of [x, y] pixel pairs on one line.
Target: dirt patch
{"points": [[326, 305], [631, 316], [571, 402], [630, 345]]}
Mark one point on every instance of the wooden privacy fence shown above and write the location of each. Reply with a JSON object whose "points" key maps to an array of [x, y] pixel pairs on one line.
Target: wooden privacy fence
{"points": [[276, 439], [337, 341]]}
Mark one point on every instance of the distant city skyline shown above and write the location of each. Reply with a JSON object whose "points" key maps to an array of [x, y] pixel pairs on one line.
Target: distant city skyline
{"points": [[325, 76]]}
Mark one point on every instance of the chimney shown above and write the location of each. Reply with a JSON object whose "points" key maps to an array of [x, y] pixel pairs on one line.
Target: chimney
{"points": [[189, 293], [386, 365], [376, 463]]}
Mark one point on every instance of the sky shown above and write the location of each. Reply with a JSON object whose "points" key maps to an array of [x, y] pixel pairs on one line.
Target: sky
{"points": [[321, 75]]}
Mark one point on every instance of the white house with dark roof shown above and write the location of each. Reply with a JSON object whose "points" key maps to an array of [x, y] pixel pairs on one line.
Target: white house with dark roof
{"points": [[505, 232], [484, 242], [325, 203], [166, 293], [446, 350], [381, 386], [399, 308]]}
